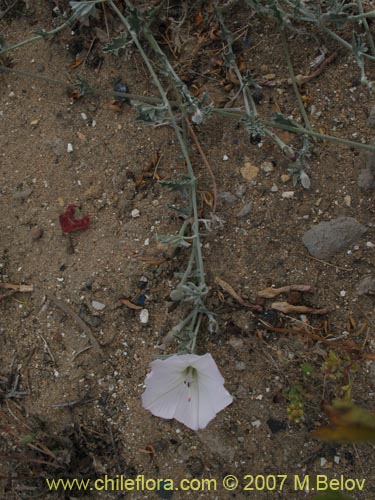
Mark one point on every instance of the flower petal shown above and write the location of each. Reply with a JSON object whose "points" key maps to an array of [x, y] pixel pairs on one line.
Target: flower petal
{"points": [[186, 387]]}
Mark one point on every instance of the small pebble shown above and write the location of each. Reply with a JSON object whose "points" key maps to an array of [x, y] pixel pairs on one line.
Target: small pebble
{"points": [[245, 211], [240, 366], [135, 213], [274, 188], [256, 423], [36, 233], [267, 167], [342, 293], [69, 148], [236, 343], [98, 306], [323, 461], [144, 316], [348, 200], [287, 195], [225, 157], [285, 178], [369, 244]]}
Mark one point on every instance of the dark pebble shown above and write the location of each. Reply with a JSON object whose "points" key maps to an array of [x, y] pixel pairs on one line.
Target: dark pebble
{"points": [[121, 87], [90, 319], [257, 96], [276, 425]]}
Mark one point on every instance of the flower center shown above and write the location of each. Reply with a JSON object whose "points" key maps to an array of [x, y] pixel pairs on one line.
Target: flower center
{"points": [[190, 377]]}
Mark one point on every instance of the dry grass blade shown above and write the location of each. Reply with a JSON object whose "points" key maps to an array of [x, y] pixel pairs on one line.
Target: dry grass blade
{"points": [[270, 293], [287, 308], [229, 289]]}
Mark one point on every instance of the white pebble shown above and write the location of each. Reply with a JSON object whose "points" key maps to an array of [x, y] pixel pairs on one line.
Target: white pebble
{"points": [[274, 188], [225, 157], [135, 213], [369, 244], [323, 461], [287, 195], [69, 148], [343, 293], [98, 306], [144, 316], [256, 423]]}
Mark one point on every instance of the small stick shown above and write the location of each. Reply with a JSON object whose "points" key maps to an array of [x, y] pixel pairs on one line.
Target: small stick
{"points": [[81, 351], [90, 48], [48, 349], [106, 22], [314, 336], [332, 265], [229, 289], [17, 288], [204, 158], [68, 311]]}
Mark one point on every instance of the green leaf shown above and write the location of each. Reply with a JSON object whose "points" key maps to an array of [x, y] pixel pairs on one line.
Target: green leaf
{"points": [[148, 114], [175, 241], [134, 20], [116, 44], [179, 185], [83, 10]]}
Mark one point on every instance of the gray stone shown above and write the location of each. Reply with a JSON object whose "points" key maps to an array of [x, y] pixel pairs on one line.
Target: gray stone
{"points": [[328, 238], [366, 286], [246, 209], [227, 198]]}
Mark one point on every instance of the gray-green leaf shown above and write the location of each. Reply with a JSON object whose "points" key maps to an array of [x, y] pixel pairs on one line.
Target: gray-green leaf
{"points": [[116, 44]]}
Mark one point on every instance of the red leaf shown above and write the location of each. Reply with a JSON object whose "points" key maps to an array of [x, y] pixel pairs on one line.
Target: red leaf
{"points": [[69, 222]]}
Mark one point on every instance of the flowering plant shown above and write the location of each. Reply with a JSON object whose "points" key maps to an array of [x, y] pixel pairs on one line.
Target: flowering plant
{"points": [[186, 387]]}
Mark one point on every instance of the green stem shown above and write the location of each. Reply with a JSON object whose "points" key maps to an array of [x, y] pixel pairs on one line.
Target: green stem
{"points": [[299, 130], [367, 29], [47, 34], [344, 42], [294, 82], [195, 225]]}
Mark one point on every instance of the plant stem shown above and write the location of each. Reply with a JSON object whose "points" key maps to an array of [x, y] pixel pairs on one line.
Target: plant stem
{"points": [[299, 130], [46, 34], [293, 78], [367, 29], [193, 197]]}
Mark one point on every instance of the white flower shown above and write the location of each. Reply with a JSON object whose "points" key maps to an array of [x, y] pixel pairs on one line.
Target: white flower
{"points": [[186, 387]]}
